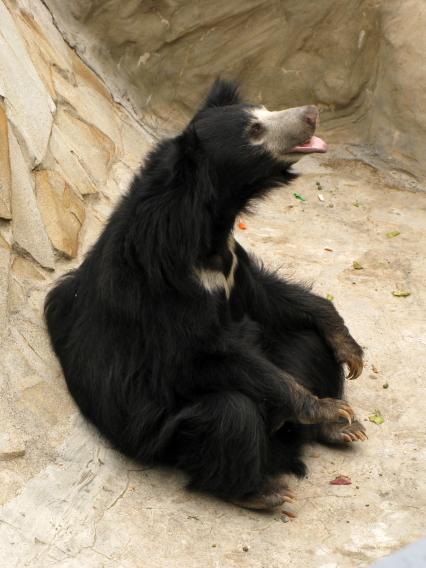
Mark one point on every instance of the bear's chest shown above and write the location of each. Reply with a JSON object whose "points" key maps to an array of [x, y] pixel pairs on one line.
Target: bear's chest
{"points": [[217, 271]]}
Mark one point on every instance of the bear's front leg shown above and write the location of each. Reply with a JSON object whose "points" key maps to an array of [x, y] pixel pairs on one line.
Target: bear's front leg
{"points": [[280, 305], [310, 409]]}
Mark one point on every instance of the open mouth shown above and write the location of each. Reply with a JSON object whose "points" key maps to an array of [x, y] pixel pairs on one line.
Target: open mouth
{"points": [[314, 145]]}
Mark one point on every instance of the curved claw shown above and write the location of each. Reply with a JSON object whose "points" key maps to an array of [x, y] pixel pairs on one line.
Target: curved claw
{"points": [[336, 432], [349, 409], [345, 415], [355, 368], [289, 514]]}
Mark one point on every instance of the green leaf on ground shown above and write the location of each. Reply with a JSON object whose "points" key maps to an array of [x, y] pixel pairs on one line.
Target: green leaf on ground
{"points": [[392, 234], [357, 265], [330, 297], [356, 204], [377, 418], [299, 197]]}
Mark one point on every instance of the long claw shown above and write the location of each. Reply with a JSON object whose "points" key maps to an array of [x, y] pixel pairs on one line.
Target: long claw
{"points": [[289, 514], [346, 438], [355, 370], [345, 415], [349, 410], [290, 493]]}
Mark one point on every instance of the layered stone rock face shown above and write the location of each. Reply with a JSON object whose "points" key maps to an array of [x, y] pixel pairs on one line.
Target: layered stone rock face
{"points": [[67, 151], [359, 60]]}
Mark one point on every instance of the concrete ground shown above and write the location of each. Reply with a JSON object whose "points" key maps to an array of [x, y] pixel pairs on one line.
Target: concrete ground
{"points": [[70, 500]]}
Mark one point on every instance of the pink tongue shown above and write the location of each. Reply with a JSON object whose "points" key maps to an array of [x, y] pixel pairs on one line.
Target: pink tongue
{"points": [[315, 144]]}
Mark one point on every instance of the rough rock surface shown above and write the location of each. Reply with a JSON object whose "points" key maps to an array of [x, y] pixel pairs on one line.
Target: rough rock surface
{"points": [[5, 180], [68, 499], [358, 60], [28, 230], [61, 209], [30, 115]]}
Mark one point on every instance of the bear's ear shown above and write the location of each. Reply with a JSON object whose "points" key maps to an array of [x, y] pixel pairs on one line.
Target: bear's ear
{"points": [[222, 93]]}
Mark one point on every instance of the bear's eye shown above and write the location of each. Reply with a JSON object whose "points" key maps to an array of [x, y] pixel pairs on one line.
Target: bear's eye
{"points": [[257, 129]]}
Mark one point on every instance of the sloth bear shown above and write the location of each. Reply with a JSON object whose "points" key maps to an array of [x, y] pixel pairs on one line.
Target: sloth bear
{"points": [[181, 347]]}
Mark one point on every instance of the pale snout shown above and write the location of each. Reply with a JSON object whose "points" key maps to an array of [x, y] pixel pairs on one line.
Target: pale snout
{"points": [[290, 131]]}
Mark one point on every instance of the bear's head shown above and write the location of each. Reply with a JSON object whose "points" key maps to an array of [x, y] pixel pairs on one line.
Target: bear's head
{"points": [[246, 143], [194, 185]]}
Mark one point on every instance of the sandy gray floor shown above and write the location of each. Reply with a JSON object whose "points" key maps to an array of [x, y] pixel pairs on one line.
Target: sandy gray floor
{"points": [[72, 501]]}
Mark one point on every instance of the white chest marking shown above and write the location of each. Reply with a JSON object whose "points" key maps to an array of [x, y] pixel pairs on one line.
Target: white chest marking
{"points": [[214, 280]]}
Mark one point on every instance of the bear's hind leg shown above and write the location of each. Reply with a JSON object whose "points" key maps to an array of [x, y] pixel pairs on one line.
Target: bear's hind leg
{"points": [[221, 442]]}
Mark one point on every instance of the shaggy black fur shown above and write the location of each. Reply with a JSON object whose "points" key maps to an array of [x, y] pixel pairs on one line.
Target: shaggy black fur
{"points": [[169, 371]]}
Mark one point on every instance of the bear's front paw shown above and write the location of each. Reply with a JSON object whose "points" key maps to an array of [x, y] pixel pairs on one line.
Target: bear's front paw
{"points": [[349, 352], [318, 410]]}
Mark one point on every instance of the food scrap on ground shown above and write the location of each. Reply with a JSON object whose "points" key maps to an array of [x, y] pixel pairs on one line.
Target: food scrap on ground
{"points": [[242, 225], [357, 265], [386, 385], [330, 297], [401, 293], [377, 418], [341, 480], [299, 196]]}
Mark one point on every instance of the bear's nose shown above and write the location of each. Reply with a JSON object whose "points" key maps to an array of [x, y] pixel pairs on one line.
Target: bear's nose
{"points": [[311, 115]]}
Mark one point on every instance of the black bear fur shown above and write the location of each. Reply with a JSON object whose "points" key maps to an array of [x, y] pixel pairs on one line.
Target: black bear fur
{"points": [[170, 371]]}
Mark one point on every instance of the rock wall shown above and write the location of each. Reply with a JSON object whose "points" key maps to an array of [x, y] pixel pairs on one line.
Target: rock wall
{"points": [[67, 151], [398, 112], [358, 60]]}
